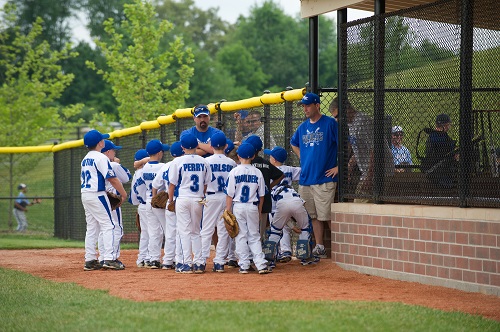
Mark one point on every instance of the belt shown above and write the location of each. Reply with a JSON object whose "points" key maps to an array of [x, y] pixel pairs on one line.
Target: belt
{"points": [[210, 193]]}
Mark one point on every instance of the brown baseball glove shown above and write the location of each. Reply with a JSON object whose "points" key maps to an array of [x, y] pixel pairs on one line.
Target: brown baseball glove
{"points": [[230, 223], [137, 221], [171, 206], [160, 200], [114, 199]]}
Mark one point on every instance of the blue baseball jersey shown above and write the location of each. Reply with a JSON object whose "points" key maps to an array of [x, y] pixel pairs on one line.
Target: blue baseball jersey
{"points": [[318, 149], [221, 166], [202, 137], [245, 184], [94, 172]]}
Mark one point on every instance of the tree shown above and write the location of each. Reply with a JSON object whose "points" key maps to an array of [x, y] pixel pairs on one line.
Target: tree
{"points": [[32, 83], [143, 77]]}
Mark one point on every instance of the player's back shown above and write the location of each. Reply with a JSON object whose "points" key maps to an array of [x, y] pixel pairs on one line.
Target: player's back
{"points": [[291, 173], [95, 169], [190, 173], [149, 172], [245, 184], [220, 165]]}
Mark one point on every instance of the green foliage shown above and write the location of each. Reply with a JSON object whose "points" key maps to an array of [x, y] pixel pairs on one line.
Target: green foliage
{"points": [[140, 73], [53, 306]]}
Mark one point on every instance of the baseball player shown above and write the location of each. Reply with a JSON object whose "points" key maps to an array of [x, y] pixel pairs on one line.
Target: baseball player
{"points": [[21, 207], [245, 190], [202, 130], [124, 176], [160, 183], [192, 174], [221, 165], [155, 217], [277, 157], [231, 259], [95, 169], [138, 197]]}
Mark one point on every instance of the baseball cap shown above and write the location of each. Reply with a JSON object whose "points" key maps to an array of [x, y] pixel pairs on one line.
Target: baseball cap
{"points": [[246, 150], [140, 154], [93, 137], [277, 153], [397, 129], [309, 98], [218, 140], [442, 119], [189, 141], [255, 141], [108, 145], [202, 109], [230, 146], [21, 186], [155, 145], [176, 149], [243, 113]]}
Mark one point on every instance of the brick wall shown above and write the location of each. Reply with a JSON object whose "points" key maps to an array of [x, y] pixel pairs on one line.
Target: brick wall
{"points": [[444, 246]]}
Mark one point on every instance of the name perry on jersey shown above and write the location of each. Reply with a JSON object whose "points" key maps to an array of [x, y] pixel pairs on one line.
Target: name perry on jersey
{"points": [[221, 168], [88, 162], [246, 178], [193, 167]]}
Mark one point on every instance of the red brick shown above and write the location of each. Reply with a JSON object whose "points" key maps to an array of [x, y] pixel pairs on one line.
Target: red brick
{"points": [[344, 228], [437, 260], [398, 266], [368, 240], [449, 261], [443, 272], [495, 228], [353, 249], [469, 251], [456, 250], [376, 220], [362, 229], [387, 264], [425, 258], [420, 246], [335, 227], [397, 221], [489, 240], [362, 250], [462, 263], [382, 253], [443, 225], [425, 235], [483, 227], [340, 258], [397, 243], [367, 261], [340, 237], [357, 239], [414, 257], [495, 254], [358, 260], [475, 239], [392, 232], [444, 248], [414, 234], [409, 267], [431, 271], [483, 252], [449, 237], [430, 224], [348, 218], [437, 236], [382, 231], [468, 226], [377, 263], [431, 247], [455, 225], [420, 269], [340, 217], [335, 247], [402, 255], [372, 230], [367, 219], [475, 265], [495, 280], [419, 223], [408, 222], [483, 278], [403, 233], [456, 274], [490, 266], [469, 276], [387, 242], [353, 228], [348, 238], [462, 238], [349, 259], [409, 245], [377, 242], [371, 251], [358, 219], [344, 248]]}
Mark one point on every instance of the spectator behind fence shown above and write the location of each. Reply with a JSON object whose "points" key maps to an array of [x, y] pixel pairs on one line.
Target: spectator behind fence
{"points": [[440, 162], [401, 154], [254, 127], [21, 207], [361, 134]]}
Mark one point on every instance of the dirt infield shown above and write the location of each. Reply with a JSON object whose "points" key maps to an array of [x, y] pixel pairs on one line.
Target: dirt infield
{"points": [[290, 281]]}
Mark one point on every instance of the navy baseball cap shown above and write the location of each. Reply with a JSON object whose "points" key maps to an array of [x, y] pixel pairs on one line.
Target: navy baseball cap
{"points": [[141, 154], [230, 146], [93, 137], [246, 150], [155, 145], [201, 110], [309, 98], [189, 141], [176, 149], [277, 153], [255, 141], [442, 119], [108, 145], [218, 140]]}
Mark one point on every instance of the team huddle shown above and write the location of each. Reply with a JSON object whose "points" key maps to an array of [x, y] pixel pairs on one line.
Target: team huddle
{"points": [[204, 181]]}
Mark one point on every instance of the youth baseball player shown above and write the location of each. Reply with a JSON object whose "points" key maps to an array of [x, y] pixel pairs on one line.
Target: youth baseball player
{"points": [[221, 165], [124, 176], [245, 190], [191, 173], [138, 198], [171, 251], [21, 207], [155, 217], [95, 170]]}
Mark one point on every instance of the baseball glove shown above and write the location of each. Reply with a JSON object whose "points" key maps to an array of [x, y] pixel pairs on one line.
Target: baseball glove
{"points": [[171, 206], [230, 223], [114, 199], [137, 221], [160, 200]]}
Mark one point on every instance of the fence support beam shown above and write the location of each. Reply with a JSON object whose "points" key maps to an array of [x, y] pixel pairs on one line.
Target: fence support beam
{"points": [[314, 53]]}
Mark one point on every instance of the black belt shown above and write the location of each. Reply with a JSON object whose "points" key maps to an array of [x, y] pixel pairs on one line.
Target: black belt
{"points": [[256, 203], [210, 193]]}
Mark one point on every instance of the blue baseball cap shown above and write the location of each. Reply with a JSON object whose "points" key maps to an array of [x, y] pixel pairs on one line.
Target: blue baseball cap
{"points": [[189, 141], [200, 110], [218, 140], [230, 146], [246, 150], [176, 149], [277, 153], [309, 98], [141, 154], [255, 141], [155, 145], [93, 137], [108, 145], [243, 113]]}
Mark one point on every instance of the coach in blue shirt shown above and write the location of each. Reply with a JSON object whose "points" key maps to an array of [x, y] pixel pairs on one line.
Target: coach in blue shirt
{"points": [[315, 143], [202, 130]]}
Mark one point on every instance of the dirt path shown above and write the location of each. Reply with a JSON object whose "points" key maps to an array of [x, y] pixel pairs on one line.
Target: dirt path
{"points": [[324, 281]]}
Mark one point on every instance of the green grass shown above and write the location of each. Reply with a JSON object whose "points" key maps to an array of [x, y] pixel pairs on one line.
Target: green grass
{"points": [[33, 304]]}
